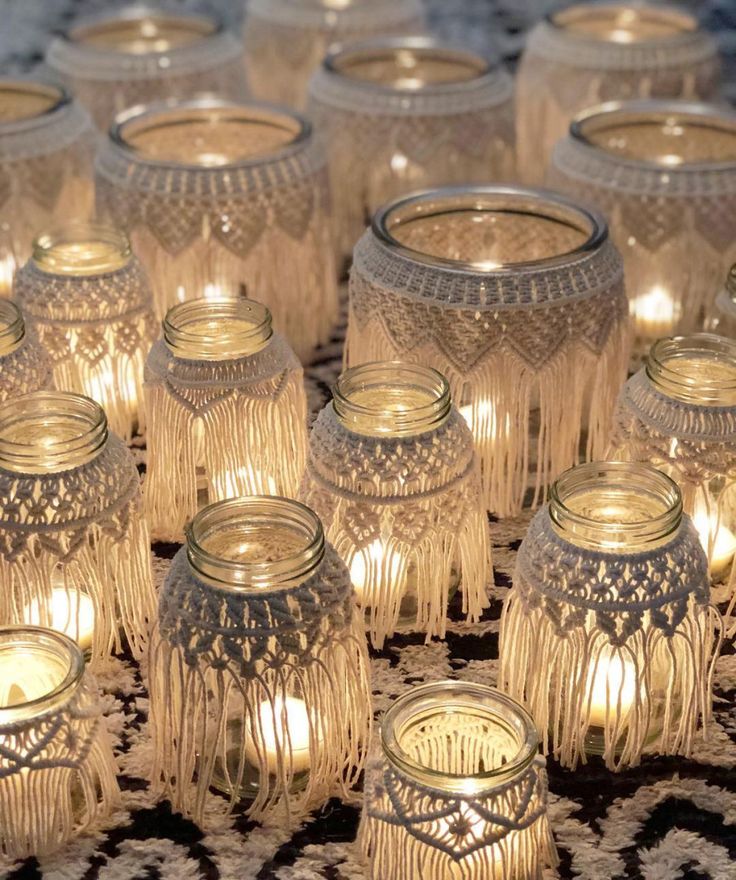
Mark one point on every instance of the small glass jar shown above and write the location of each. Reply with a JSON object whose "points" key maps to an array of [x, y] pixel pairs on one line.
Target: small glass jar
{"points": [[664, 174], [24, 364], [46, 153], [608, 636], [134, 55], [404, 113], [458, 790], [92, 306], [393, 475], [286, 40], [57, 769], [591, 53], [74, 549], [722, 313], [226, 411], [517, 297], [258, 666], [224, 199]]}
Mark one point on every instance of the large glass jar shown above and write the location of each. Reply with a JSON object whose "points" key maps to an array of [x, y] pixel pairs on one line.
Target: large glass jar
{"points": [[258, 665], [24, 364], [608, 636], [591, 53], [224, 199]]}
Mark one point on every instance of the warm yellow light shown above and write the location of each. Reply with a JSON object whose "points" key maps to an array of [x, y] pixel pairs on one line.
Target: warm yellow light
{"points": [[72, 613], [284, 729], [655, 312], [359, 571], [612, 687], [718, 541]]}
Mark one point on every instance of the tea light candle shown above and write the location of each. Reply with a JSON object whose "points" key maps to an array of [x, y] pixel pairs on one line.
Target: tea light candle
{"points": [[718, 541], [70, 611], [367, 575], [284, 725], [655, 313], [611, 688]]}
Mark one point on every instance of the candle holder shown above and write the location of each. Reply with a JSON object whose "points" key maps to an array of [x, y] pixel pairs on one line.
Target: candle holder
{"points": [[258, 667], [664, 174], [46, 150], [399, 114], [227, 412], [245, 210], [722, 314], [393, 475], [24, 365], [590, 53], [608, 636], [92, 307], [459, 791], [57, 770], [517, 297], [136, 55], [285, 41], [74, 550]]}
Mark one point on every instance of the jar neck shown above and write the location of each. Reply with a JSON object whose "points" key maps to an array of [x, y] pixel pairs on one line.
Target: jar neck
{"points": [[12, 327], [217, 329], [391, 399], [255, 543], [615, 506], [82, 249], [698, 369], [48, 431]]}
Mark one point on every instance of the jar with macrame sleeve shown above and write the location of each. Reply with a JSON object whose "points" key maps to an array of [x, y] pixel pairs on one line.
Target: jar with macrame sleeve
{"points": [[393, 475], [24, 364], [402, 113], [721, 316], [517, 297], [608, 635], [457, 790], [286, 40], [57, 769], [226, 411], [121, 58], [591, 53], [46, 158], [224, 199], [92, 307], [74, 548], [258, 665]]}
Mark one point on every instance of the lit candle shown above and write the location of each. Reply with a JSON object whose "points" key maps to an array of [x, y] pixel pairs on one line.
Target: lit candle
{"points": [[72, 612], [367, 580], [718, 541], [284, 728], [655, 313], [7, 272], [611, 687]]}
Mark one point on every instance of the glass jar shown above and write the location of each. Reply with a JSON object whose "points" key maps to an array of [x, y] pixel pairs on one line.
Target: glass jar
{"points": [[24, 364], [46, 152], [458, 790], [403, 113], [226, 411], [74, 549], [722, 313], [91, 304], [393, 475], [224, 199], [608, 636], [517, 297], [57, 770], [135, 54], [591, 53], [286, 40], [258, 668]]}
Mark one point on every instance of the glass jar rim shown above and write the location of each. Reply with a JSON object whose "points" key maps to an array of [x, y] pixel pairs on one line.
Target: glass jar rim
{"points": [[540, 203], [59, 95], [692, 389], [81, 232], [230, 343], [12, 326], [689, 24]]}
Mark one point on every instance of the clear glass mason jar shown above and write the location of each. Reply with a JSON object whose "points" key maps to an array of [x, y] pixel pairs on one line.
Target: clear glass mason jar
{"points": [[24, 364], [226, 411], [591, 53], [92, 306], [722, 313], [46, 153], [285, 41], [608, 636], [125, 57], [243, 211], [399, 114], [259, 671], [458, 789]]}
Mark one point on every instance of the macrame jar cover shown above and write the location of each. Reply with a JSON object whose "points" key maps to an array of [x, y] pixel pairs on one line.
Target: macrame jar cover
{"points": [[517, 297], [258, 667], [226, 407], [246, 211], [57, 770], [458, 791], [286, 41], [721, 317], [608, 636], [589, 54], [120, 59], [74, 550], [24, 364], [393, 475], [46, 150], [92, 307], [399, 114]]}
